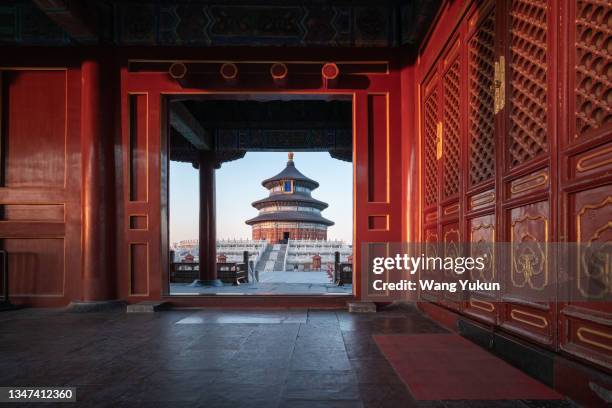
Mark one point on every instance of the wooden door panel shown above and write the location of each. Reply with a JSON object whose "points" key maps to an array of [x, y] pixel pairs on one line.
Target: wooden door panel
{"points": [[36, 123], [378, 148], [481, 201], [432, 249], [452, 247], [451, 210], [587, 165], [479, 181], [586, 148], [529, 271], [528, 123], [40, 208], [530, 184], [529, 224], [533, 323], [378, 207], [587, 329], [587, 334], [140, 250], [36, 266], [592, 216], [481, 237], [138, 142], [430, 131]]}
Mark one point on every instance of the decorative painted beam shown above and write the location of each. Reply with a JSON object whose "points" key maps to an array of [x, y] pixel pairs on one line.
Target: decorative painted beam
{"points": [[229, 72], [305, 139], [279, 72], [183, 121], [177, 70], [72, 17], [330, 72]]}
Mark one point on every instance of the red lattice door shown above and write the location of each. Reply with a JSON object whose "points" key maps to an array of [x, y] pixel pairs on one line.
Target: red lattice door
{"points": [[452, 70], [480, 216], [430, 130], [586, 161], [529, 216]]}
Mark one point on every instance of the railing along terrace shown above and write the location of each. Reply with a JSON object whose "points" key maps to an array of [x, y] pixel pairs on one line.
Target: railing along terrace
{"points": [[228, 272], [343, 271]]}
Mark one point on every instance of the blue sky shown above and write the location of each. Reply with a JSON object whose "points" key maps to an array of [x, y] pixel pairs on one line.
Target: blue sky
{"points": [[239, 184]]}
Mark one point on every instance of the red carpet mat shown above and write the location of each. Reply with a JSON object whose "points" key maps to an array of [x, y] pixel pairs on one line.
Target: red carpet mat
{"points": [[449, 367]]}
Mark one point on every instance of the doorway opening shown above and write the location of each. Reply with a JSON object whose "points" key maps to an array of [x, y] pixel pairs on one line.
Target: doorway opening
{"points": [[260, 195]]}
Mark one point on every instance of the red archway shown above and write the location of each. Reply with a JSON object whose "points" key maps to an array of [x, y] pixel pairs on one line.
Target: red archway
{"points": [[377, 191]]}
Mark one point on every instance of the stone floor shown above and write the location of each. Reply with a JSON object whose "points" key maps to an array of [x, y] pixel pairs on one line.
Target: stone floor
{"points": [[214, 358]]}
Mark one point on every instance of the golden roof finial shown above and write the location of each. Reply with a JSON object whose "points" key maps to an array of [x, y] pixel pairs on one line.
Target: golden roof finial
{"points": [[290, 155]]}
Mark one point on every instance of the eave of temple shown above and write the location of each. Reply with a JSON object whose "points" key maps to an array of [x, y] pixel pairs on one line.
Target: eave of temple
{"points": [[289, 199], [290, 216]]}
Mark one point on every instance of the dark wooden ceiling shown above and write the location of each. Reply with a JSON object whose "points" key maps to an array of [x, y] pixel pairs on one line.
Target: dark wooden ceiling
{"points": [[233, 127], [384, 23]]}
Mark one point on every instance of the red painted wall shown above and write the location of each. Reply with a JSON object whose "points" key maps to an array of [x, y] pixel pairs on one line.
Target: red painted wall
{"points": [[53, 194], [39, 192]]}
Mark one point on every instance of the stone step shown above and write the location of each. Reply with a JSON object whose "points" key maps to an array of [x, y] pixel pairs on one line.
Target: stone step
{"points": [[147, 307], [280, 259], [361, 307]]}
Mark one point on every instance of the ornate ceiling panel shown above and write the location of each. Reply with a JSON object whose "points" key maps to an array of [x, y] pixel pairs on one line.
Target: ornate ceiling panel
{"points": [[385, 23]]}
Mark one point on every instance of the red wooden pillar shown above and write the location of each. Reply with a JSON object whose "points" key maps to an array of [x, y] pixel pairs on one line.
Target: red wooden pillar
{"points": [[97, 137], [208, 233]]}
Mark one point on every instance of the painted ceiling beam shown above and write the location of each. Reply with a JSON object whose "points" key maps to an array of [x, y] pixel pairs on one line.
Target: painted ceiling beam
{"points": [[183, 121], [72, 17]]}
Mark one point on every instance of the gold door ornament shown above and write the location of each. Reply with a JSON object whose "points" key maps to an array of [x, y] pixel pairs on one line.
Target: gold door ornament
{"points": [[483, 248], [597, 266], [439, 140], [595, 257], [499, 85], [529, 257]]}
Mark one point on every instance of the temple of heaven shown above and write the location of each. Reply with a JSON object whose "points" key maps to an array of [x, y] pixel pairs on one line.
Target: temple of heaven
{"points": [[289, 211]]}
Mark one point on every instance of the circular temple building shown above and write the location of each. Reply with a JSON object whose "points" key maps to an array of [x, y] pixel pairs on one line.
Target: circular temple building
{"points": [[289, 211]]}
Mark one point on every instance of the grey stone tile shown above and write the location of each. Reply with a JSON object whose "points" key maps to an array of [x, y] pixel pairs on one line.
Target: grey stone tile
{"points": [[317, 385], [305, 403], [241, 395], [228, 358]]}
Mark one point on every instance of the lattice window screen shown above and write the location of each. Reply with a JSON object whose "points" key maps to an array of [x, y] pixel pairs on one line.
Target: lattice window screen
{"points": [[452, 130], [593, 68], [481, 75], [430, 121], [528, 84]]}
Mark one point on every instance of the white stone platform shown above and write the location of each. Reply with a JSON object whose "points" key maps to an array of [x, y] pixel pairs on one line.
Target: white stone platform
{"points": [[271, 283], [294, 277]]}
